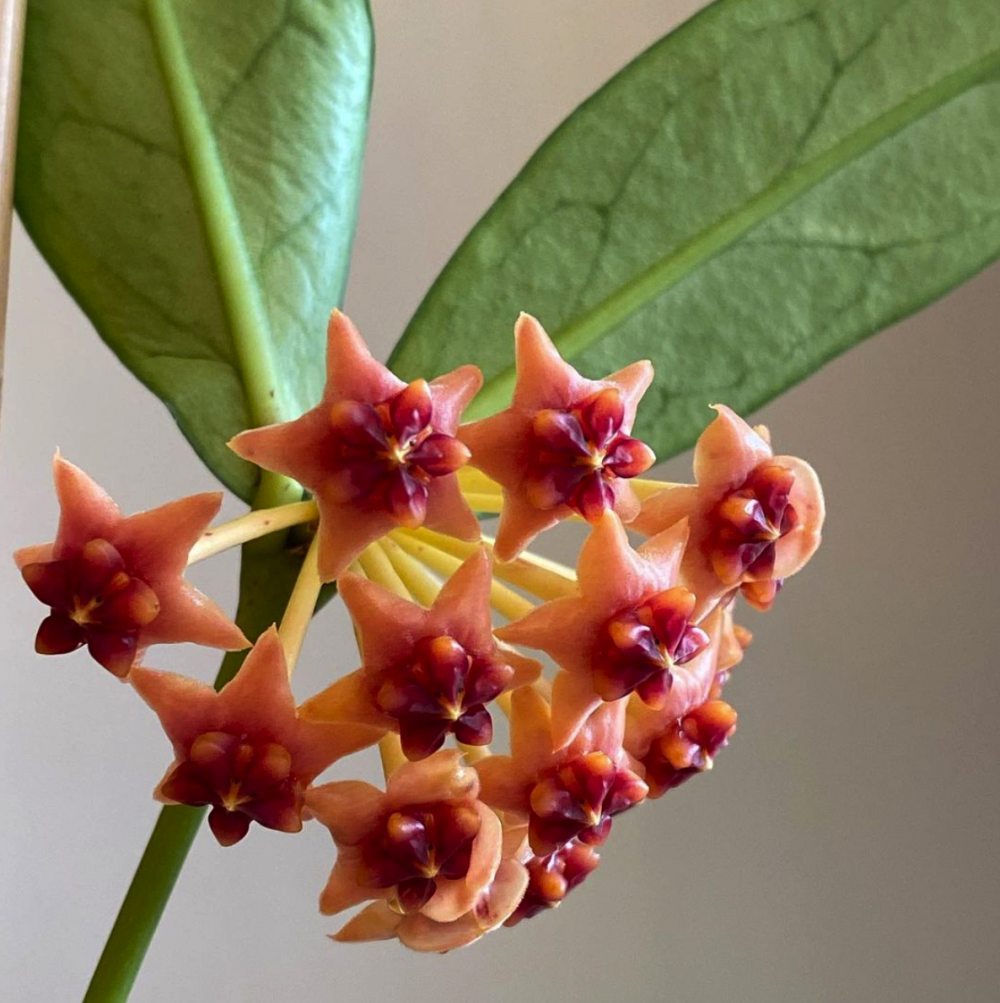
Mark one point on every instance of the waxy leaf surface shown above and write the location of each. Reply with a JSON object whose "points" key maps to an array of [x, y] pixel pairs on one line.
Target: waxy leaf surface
{"points": [[190, 169], [757, 192]]}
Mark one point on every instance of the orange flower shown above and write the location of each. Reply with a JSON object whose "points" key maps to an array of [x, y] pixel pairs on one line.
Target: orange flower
{"points": [[688, 746], [375, 452], [552, 878], [426, 845], [116, 583], [754, 518], [563, 446], [243, 750], [432, 672], [569, 794], [627, 630], [495, 905]]}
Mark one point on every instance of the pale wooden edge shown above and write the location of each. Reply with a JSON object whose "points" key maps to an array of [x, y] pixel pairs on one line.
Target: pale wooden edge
{"points": [[11, 45]]}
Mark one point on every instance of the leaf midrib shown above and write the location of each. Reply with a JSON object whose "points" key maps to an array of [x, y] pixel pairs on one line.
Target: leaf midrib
{"points": [[240, 294], [672, 268]]}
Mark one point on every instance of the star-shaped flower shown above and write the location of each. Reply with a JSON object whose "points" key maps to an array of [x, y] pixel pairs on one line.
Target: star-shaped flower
{"points": [[627, 630], [570, 794], [243, 750], [434, 672], [426, 845], [688, 746], [115, 583], [754, 518], [563, 445], [551, 878], [376, 452], [495, 905]]}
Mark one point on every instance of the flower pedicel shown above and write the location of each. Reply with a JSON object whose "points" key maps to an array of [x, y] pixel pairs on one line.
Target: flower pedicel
{"points": [[462, 840]]}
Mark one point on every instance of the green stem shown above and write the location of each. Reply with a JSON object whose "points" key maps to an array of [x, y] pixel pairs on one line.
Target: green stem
{"points": [[672, 268], [144, 904]]}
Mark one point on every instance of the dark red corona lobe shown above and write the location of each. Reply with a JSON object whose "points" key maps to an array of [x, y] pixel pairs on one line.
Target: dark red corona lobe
{"points": [[552, 878], [576, 454], [414, 847], [243, 780], [688, 746], [442, 690], [746, 525], [577, 801], [388, 453], [639, 646]]}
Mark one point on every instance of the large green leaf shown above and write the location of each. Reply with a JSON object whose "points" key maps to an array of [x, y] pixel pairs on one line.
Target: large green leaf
{"points": [[754, 194], [190, 169]]}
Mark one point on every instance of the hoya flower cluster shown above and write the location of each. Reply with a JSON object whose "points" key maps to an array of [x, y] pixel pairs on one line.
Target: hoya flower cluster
{"points": [[642, 639]]}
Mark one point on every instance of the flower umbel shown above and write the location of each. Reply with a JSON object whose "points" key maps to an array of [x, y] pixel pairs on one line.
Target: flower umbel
{"points": [[463, 839]]}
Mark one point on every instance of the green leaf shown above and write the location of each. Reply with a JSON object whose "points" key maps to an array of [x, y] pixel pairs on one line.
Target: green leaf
{"points": [[754, 194], [190, 169]]}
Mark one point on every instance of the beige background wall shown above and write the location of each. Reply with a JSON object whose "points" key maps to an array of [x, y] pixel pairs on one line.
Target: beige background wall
{"points": [[845, 846]]}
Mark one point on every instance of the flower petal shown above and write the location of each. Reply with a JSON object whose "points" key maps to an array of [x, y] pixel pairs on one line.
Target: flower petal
{"points": [[455, 897], [350, 809], [544, 379], [351, 370], [452, 394], [258, 697], [795, 548], [727, 451], [573, 701], [441, 777], [447, 510], [521, 522], [188, 615], [346, 700], [372, 606], [375, 922], [86, 510], [293, 448], [462, 608], [156, 543], [186, 707], [345, 886]]}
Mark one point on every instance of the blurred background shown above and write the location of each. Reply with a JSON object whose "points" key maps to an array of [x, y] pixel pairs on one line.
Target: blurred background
{"points": [[844, 848]]}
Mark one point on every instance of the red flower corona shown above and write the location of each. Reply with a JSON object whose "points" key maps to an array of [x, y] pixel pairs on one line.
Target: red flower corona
{"points": [[116, 583], [754, 518], [433, 672], [563, 446], [376, 452], [243, 750]]}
